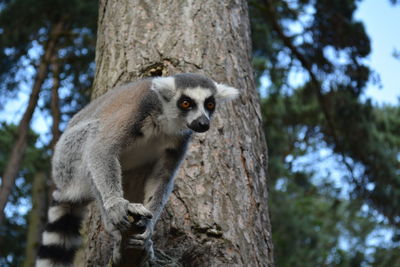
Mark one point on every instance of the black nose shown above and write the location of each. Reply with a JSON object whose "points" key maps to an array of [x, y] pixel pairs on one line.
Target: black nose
{"points": [[200, 124]]}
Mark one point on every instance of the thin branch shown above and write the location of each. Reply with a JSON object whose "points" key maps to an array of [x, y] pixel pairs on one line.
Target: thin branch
{"points": [[316, 84], [18, 150], [55, 101]]}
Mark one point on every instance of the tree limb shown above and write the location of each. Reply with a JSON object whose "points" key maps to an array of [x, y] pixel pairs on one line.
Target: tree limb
{"points": [[316, 84], [18, 151]]}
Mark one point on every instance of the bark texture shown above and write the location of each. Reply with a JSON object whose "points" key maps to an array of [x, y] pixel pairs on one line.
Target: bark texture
{"points": [[217, 214], [14, 163]]}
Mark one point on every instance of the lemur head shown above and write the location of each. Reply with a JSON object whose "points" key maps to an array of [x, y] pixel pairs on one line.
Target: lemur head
{"points": [[189, 100]]}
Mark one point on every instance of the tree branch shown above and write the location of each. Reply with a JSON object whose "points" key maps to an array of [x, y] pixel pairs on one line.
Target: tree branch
{"points": [[55, 101], [18, 151], [316, 84]]}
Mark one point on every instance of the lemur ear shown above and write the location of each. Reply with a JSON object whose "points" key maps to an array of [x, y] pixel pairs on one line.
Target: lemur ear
{"points": [[225, 92], [165, 86]]}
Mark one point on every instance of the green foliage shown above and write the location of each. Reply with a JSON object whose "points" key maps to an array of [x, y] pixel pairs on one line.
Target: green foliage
{"points": [[310, 220], [311, 225], [318, 218], [25, 29], [22, 40], [374, 143], [13, 231], [12, 243], [387, 257], [35, 18]]}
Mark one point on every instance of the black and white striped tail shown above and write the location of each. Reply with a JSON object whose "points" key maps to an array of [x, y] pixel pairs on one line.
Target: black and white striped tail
{"points": [[61, 238]]}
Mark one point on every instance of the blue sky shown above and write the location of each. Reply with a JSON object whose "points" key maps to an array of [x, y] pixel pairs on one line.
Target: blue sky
{"points": [[382, 23]]}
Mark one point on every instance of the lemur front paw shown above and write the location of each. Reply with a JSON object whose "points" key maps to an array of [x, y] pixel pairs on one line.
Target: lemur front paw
{"points": [[143, 240], [120, 209], [139, 240], [138, 210]]}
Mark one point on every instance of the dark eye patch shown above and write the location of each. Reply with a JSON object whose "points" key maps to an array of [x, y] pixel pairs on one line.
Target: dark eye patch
{"points": [[183, 101], [209, 104]]}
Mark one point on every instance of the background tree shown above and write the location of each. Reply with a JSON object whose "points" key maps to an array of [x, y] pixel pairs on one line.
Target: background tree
{"points": [[322, 208], [13, 230], [48, 28], [47, 46], [325, 114], [217, 213]]}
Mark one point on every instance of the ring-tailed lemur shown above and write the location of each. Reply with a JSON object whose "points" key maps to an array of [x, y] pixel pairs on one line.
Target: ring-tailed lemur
{"points": [[138, 132]]}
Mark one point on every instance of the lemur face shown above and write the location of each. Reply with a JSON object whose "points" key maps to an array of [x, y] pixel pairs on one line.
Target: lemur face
{"points": [[196, 105], [189, 100]]}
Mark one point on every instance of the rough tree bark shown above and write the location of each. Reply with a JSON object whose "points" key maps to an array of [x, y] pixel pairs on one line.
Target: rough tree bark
{"points": [[217, 214], [18, 151]]}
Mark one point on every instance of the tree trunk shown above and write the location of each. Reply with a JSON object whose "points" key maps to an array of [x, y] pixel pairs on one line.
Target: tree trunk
{"points": [[40, 188], [55, 102], [217, 214], [18, 151], [36, 218]]}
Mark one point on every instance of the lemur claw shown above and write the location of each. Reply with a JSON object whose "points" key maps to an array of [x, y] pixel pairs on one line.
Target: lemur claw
{"points": [[139, 209]]}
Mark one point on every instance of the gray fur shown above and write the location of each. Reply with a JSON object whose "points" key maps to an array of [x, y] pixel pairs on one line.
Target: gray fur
{"points": [[137, 133], [191, 80]]}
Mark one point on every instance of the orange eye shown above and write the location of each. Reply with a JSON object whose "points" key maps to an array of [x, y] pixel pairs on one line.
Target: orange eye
{"points": [[185, 104], [210, 105]]}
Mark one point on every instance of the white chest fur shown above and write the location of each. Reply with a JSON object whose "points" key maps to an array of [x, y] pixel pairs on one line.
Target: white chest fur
{"points": [[137, 154], [146, 148]]}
